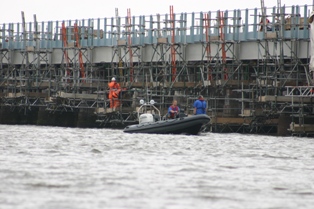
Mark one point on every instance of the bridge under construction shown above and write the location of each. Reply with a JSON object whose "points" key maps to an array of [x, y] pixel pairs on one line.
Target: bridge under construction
{"points": [[252, 67]]}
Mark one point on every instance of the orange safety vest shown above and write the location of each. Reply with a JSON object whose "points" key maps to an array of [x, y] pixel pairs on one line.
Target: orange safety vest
{"points": [[114, 90]]}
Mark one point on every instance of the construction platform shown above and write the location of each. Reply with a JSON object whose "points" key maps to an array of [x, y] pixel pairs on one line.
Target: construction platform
{"points": [[253, 73]]}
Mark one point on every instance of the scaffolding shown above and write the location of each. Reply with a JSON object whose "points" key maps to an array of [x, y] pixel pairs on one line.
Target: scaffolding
{"points": [[242, 61]]}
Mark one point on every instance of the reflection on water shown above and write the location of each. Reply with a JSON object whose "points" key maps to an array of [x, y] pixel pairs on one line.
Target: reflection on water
{"points": [[53, 167]]}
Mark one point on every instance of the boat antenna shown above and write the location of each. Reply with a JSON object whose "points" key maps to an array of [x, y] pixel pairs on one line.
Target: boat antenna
{"points": [[146, 87]]}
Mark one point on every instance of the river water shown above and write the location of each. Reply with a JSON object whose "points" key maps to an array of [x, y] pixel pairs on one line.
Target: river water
{"points": [[72, 168]]}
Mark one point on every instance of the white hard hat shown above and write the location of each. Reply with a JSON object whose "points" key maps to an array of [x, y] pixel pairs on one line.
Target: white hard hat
{"points": [[113, 79]]}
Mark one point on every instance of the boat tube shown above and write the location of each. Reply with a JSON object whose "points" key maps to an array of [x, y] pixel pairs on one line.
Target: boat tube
{"points": [[152, 123], [186, 125]]}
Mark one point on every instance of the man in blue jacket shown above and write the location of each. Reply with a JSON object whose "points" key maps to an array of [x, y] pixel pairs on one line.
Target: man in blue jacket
{"points": [[200, 106]]}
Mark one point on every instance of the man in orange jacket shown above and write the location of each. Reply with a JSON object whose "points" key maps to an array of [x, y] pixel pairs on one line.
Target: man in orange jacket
{"points": [[114, 90]]}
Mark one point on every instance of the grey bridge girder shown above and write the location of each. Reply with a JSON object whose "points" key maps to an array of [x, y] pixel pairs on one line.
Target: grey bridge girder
{"points": [[247, 50]]}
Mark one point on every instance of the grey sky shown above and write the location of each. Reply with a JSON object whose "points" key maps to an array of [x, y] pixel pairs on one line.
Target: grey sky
{"points": [[83, 9]]}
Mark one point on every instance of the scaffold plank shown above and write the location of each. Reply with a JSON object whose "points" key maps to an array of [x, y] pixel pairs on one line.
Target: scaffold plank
{"points": [[270, 98]]}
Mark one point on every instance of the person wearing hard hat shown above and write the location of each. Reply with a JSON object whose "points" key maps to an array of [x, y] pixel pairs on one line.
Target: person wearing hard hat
{"points": [[114, 91]]}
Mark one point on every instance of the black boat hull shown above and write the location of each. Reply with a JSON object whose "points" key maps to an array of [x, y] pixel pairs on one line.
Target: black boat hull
{"points": [[186, 125]]}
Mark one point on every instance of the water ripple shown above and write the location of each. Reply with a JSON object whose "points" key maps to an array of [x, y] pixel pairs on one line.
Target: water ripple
{"points": [[53, 167]]}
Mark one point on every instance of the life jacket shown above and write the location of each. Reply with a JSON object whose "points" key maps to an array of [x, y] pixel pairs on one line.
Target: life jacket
{"points": [[174, 108], [203, 106]]}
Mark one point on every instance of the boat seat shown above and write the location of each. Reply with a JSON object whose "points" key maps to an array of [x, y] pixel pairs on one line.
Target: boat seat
{"points": [[156, 117], [180, 115]]}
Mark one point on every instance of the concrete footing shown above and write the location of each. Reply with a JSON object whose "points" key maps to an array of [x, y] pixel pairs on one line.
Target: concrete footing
{"points": [[40, 116]]}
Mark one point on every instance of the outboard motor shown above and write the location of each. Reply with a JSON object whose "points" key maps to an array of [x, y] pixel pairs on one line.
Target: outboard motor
{"points": [[146, 118], [156, 118]]}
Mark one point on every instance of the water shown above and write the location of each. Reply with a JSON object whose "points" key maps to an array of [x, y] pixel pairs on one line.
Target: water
{"points": [[56, 168]]}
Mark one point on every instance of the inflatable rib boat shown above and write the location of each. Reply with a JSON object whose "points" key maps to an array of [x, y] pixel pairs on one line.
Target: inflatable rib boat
{"points": [[152, 123]]}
